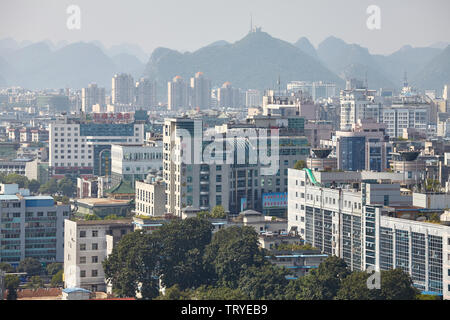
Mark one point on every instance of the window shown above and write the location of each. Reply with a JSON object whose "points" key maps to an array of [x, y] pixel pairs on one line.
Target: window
{"points": [[82, 234], [83, 273], [82, 260], [95, 233], [83, 247], [95, 246], [94, 273], [94, 259]]}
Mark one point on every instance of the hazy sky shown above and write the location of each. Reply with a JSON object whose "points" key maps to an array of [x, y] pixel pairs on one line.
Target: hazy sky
{"points": [[191, 24]]}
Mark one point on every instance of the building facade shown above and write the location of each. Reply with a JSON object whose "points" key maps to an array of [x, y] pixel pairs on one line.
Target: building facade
{"points": [[31, 226], [87, 244]]}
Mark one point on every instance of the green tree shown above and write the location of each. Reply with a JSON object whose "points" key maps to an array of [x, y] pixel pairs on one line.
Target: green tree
{"points": [[218, 212], [54, 268], [11, 284], [6, 267], [300, 164], [19, 179], [322, 283], [50, 187], [31, 266], [231, 252], [62, 199], [397, 285], [175, 293], [35, 283], [354, 287], [34, 186], [203, 214], [183, 244], [57, 279], [267, 282], [66, 187], [132, 265], [218, 293]]}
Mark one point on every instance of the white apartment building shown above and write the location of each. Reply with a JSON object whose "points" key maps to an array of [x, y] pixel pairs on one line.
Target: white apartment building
{"points": [[86, 245], [253, 98], [151, 197], [400, 117], [316, 89], [84, 148], [346, 214], [90, 96], [133, 162], [331, 197], [122, 89], [421, 249], [358, 104]]}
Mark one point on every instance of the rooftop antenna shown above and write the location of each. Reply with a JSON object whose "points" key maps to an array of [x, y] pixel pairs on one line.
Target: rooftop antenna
{"points": [[251, 23], [405, 80]]}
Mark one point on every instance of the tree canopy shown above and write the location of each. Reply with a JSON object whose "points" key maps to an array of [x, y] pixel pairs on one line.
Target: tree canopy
{"points": [[31, 266]]}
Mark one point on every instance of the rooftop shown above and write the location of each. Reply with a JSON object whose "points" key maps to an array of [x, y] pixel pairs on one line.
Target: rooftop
{"points": [[103, 222], [122, 188], [102, 202]]}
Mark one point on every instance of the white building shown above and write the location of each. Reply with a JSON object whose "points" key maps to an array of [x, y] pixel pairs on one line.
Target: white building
{"points": [[84, 148], [316, 89], [90, 96], [348, 214], [400, 117], [123, 88], [151, 197], [133, 162], [358, 104], [86, 245], [253, 98], [238, 179]]}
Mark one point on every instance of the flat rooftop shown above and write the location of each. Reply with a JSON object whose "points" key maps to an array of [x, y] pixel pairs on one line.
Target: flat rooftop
{"points": [[104, 222], [102, 202]]}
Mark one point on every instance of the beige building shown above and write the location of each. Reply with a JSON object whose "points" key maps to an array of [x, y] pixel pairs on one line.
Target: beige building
{"points": [[151, 197]]}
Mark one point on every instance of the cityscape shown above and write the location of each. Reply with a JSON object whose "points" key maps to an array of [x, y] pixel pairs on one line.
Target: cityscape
{"points": [[251, 169]]}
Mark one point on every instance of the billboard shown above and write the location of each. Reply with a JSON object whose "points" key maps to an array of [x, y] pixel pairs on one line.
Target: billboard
{"points": [[274, 200]]}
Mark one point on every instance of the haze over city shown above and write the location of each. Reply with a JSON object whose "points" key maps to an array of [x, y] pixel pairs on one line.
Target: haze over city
{"points": [[251, 153], [189, 25]]}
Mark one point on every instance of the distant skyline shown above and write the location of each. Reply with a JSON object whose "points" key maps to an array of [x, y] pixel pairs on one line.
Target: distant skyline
{"points": [[190, 25]]}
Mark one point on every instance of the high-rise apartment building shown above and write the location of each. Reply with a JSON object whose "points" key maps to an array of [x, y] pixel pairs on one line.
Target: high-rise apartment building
{"points": [[253, 98], [366, 147], [31, 226], [201, 91], [177, 94], [228, 96], [358, 104], [90, 96], [123, 89], [240, 177], [145, 93]]}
